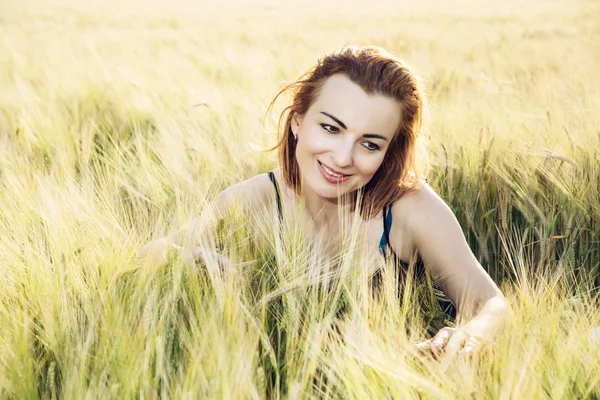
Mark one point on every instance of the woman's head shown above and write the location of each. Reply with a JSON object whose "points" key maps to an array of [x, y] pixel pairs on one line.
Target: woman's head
{"points": [[353, 124]]}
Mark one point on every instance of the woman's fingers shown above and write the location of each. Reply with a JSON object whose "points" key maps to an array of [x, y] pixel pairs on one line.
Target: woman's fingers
{"points": [[424, 347], [207, 256], [155, 252], [449, 341], [439, 341], [429, 348], [472, 344], [158, 253], [456, 341], [211, 258]]}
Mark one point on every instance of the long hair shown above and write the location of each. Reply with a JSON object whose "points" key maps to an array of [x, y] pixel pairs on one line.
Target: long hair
{"points": [[376, 72]]}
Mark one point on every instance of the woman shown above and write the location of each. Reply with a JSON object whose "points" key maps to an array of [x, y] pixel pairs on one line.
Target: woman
{"points": [[348, 145]]}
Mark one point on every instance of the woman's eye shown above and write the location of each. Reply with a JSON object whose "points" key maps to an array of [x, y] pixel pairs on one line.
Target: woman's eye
{"points": [[329, 128], [371, 146]]}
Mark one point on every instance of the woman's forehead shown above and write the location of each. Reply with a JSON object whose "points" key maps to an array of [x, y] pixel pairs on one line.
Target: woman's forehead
{"points": [[358, 110]]}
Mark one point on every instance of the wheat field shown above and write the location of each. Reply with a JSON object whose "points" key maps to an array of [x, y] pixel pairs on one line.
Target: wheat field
{"points": [[120, 121]]}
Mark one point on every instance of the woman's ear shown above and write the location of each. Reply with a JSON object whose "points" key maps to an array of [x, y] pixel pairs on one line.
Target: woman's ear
{"points": [[295, 123]]}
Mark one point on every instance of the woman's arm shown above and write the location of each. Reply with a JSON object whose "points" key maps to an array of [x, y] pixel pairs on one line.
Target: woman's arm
{"points": [[437, 237], [196, 237]]}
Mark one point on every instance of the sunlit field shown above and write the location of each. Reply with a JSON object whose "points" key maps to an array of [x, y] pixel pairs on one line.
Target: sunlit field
{"points": [[121, 120]]}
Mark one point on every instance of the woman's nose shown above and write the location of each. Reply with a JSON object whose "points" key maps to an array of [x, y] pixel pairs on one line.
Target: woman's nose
{"points": [[342, 155]]}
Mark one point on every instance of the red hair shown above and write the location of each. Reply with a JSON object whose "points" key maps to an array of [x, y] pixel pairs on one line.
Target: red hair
{"points": [[376, 72]]}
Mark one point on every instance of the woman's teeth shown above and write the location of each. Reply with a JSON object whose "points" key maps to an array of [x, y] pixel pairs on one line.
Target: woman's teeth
{"points": [[330, 172]]}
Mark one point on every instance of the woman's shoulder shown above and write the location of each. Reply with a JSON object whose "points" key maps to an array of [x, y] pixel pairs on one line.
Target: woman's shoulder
{"points": [[417, 205], [422, 211], [421, 217], [253, 191]]}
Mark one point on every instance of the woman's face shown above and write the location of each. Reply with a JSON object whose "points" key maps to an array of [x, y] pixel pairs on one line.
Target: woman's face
{"points": [[343, 137]]}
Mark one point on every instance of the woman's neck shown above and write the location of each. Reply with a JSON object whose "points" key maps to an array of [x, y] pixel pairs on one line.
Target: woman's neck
{"points": [[326, 213]]}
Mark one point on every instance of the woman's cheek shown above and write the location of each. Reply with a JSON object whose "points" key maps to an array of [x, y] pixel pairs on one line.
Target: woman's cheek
{"points": [[320, 143], [370, 164], [378, 161]]}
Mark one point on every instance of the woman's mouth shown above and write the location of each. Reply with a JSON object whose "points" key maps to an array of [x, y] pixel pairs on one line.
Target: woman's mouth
{"points": [[331, 176]]}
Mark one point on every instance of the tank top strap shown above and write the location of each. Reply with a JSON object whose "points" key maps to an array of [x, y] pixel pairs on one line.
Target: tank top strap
{"points": [[387, 226], [278, 198]]}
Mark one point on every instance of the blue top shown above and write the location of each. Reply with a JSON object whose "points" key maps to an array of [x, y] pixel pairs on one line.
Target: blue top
{"points": [[387, 220]]}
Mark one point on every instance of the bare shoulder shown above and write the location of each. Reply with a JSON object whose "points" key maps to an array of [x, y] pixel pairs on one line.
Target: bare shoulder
{"points": [[255, 191], [421, 211], [418, 204], [247, 196]]}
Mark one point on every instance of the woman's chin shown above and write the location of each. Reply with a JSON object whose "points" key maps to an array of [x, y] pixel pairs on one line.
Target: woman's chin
{"points": [[329, 191], [333, 193]]}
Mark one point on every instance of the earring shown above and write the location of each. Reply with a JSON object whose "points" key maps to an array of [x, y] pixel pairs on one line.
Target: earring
{"points": [[295, 136]]}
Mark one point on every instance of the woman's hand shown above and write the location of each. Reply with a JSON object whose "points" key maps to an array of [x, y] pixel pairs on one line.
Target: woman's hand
{"points": [[450, 341], [156, 253], [211, 257], [469, 337]]}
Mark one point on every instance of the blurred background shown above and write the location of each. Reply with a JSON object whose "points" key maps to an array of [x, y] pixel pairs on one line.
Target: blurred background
{"points": [[120, 120]]}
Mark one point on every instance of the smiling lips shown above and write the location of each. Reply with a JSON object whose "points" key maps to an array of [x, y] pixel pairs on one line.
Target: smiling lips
{"points": [[331, 175]]}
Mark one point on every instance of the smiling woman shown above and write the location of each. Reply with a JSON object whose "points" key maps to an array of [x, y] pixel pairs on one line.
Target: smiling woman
{"points": [[348, 147], [368, 106], [343, 153]]}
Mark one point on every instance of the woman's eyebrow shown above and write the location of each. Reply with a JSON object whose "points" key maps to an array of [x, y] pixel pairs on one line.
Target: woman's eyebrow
{"points": [[340, 123], [374, 136], [366, 135]]}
